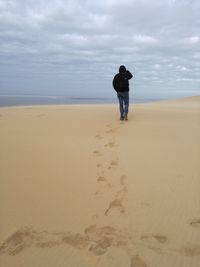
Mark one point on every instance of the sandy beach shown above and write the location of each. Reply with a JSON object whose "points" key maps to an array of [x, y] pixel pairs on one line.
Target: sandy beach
{"points": [[80, 188]]}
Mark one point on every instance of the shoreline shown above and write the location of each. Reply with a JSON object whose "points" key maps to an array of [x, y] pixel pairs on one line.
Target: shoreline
{"points": [[83, 101], [25, 100]]}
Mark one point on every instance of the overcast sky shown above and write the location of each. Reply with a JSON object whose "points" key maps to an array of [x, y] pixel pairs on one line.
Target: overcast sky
{"points": [[74, 47]]}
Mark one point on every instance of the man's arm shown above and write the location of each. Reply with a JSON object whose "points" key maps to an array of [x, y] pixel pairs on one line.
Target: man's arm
{"points": [[115, 83], [128, 75]]}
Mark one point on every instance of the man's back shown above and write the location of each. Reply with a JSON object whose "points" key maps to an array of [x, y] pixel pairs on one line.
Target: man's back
{"points": [[121, 81]]}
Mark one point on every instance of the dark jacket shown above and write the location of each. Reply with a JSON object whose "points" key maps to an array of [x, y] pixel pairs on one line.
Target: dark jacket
{"points": [[121, 81]]}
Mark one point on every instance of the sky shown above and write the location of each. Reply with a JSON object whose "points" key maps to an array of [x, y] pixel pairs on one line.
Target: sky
{"points": [[75, 47]]}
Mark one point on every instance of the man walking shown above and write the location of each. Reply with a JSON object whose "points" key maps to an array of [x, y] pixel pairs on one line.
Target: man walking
{"points": [[121, 86]]}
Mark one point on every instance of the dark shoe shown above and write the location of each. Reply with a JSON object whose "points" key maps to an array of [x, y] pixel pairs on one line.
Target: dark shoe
{"points": [[125, 117], [121, 118]]}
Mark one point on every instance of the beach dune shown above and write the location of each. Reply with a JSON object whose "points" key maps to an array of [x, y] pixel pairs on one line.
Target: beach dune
{"points": [[80, 188]]}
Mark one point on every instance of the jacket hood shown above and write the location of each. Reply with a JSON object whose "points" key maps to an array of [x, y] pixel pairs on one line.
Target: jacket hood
{"points": [[122, 69]]}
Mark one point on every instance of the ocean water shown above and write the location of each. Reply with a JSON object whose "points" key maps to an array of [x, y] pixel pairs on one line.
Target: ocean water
{"points": [[27, 100]]}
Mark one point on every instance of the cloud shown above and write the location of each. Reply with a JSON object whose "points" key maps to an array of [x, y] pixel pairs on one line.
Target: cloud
{"points": [[193, 40], [145, 39], [84, 42]]}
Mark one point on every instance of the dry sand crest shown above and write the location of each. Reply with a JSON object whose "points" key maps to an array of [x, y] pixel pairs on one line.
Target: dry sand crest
{"points": [[80, 188]]}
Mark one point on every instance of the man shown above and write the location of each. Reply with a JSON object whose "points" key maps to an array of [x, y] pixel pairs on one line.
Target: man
{"points": [[121, 86]]}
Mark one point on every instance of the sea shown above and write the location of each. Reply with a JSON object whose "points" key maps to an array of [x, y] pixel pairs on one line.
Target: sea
{"points": [[29, 100]]}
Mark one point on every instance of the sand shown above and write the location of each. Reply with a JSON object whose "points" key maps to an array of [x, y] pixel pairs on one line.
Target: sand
{"points": [[79, 188]]}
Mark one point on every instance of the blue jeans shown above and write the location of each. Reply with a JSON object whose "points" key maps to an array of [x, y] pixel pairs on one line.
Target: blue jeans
{"points": [[123, 102]]}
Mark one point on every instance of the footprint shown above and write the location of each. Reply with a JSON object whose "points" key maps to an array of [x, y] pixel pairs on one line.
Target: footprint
{"points": [[17, 242], [116, 203], [100, 247], [28, 237], [99, 165], [110, 144], [101, 179], [159, 238], [104, 237], [195, 223], [191, 250], [112, 130], [136, 261], [113, 164], [97, 153], [98, 136]]}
